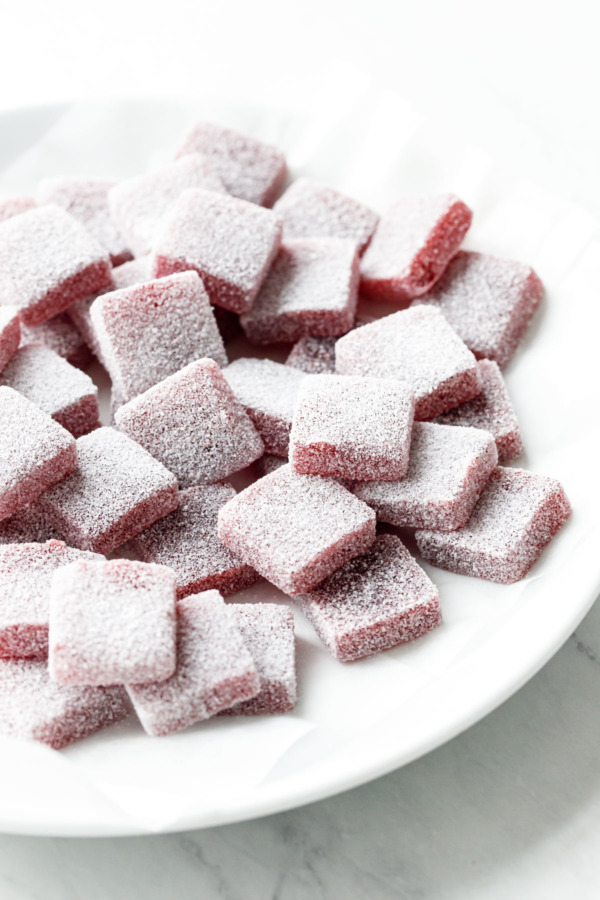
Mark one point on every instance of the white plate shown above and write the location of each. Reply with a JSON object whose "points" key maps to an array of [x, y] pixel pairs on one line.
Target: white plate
{"points": [[358, 721]]}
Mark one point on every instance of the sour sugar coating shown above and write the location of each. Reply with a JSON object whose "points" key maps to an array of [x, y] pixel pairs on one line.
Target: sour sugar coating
{"points": [[376, 601], [448, 470], [152, 330], [311, 289], [10, 333], [489, 302], [193, 424], [268, 633], [14, 206], [296, 529], [57, 388], [35, 452], [518, 513], [29, 525], [214, 669], [115, 492], [312, 209], [61, 335], [229, 242], [313, 355], [268, 463], [414, 242], [36, 708], [86, 199], [138, 204], [187, 541], [48, 260], [111, 622], [268, 391], [249, 169], [351, 427], [26, 572], [491, 410], [417, 346]]}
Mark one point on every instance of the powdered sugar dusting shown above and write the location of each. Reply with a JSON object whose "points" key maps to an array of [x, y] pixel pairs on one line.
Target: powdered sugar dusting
{"points": [[313, 355], [29, 525], [10, 333], [14, 206], [59, 334]]}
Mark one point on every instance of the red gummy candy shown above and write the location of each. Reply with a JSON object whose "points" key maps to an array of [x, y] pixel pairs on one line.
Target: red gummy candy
{"points": [[14, 206], [29, 525], [10, 333], [61, 335], [313, 355]]}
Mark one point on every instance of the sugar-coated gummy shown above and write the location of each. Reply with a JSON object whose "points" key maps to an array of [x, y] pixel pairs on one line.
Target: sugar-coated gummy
{"points": [[229, 242], [10, 333], [417, 346], [249, 168], [268, 463], [214, 669], [111, 622], [14, 206], [228, 323], [311, 289], [313, 355], [151, 330], [448, 470], [376, 601], [26, 571], [518, 513], [61, 335], [352, 427], [296, 529], [193, 424], [29, 525], [187, 541], [115, 492]]}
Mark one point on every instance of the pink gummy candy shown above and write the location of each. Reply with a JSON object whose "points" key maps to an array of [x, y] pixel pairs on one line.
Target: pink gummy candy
{"points": [[187, 541], [489, 302], [36, 708], [14, 206], [10, 333], [57, 388], [152, 330], [374, 602], [48, 260], [448, 470], [193, 424], [35, 452], [417, 346], [491, 410], [29, 525], [351, 427], [26, 572], [268, 391], [249, 169], [117, 490], [61, 335], [312, 209], [138, 204], [111, 622], [229, 242], [214, 669], [296, 529], [414, 242], [311, 289], [313, 355], [517, 515], [86, 199]]}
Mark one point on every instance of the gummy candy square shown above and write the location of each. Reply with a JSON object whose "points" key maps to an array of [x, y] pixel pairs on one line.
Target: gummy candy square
{"points": [[313, 355], [61, 335], [10, 333], [29, 525], [14, 206]]}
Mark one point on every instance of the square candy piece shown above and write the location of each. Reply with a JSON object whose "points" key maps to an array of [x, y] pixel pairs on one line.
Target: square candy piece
{"points": [[10, 333], [374, 602], [296, 529], [26, 572], [152, 330], [313, 355], [48, 260], [518, 513], [214, 669], [112, 622], [193, 424], [417, 346], [86, 199], [448, 469], [312, 209], [29, 525], [350, 427], [491, 410], [138, 204], [116, 491], [61, 335], [187, 541], [311, 289], [64, 392], [414, 242], [268, 391], [35, 708], [14, 206], [249, 169], [230, 243], [35, 452], [489, 302], [268, 633]]}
